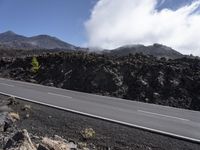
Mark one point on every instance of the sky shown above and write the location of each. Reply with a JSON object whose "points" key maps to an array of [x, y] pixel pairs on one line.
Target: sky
{"points": [[61, 18], [107, 23]]}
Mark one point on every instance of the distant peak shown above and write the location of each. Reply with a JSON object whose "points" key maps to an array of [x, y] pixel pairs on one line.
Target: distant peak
{"points": [[43, 35], [9, 32], [159, 45]]}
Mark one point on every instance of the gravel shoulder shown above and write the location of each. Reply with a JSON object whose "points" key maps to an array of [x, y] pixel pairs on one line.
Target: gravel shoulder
{"points": [[45, 121]]}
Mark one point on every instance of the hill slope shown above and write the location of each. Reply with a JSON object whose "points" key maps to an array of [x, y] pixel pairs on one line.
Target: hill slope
{"points": [[12, 40], [156, 50]]}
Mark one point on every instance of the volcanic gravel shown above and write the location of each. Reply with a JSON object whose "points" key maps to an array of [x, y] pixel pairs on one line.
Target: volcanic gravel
{"points": [[46, 121]]}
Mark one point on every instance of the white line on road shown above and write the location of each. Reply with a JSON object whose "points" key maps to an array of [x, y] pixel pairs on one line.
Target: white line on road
{"points": [[108, 119], [7, 84], [89, 94], [146, 112], [54, 94]]}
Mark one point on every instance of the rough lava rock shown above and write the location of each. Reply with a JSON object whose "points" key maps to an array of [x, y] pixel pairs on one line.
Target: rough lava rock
{"points": [[20, 141], [136, 77]]}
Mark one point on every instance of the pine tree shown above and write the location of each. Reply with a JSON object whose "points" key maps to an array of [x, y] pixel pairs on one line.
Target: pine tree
{"points": [[35, 65]]}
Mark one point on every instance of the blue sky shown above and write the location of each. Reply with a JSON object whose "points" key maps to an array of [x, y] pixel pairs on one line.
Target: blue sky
{"points": [[174, 4], [61, 18]]}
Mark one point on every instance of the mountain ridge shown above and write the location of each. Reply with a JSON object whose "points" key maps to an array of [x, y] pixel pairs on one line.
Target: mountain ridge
{"points": [[157, 50], [11, 40]]}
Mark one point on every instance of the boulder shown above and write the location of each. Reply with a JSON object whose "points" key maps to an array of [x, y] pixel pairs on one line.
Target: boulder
{"points": [[50, 144], [20, 141]]}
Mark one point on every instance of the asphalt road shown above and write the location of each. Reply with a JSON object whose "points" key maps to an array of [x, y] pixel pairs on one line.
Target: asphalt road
{"points": [[179, 123]]}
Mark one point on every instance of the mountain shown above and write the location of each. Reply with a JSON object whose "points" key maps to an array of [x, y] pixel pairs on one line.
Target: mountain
{"points": [[156, 50], [49, 42], [11, 40], [10, 36]]}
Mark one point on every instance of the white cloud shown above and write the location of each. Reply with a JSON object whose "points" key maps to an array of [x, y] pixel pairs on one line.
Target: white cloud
{"points": [[114, 23]]}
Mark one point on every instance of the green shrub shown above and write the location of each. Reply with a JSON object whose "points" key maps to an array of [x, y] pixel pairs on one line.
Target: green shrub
{"points": [[35, 65]]}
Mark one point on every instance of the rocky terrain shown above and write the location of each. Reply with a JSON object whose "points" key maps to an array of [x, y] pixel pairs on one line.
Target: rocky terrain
{"points": [[29, 126], [18, 53], [13, 137], [136, 77]]}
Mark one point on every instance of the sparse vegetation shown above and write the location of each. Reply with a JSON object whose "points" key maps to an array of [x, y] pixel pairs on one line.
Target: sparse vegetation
{"points": [[37, 131], [12, 101], [26, 107], [88, 133], [35, 65]]}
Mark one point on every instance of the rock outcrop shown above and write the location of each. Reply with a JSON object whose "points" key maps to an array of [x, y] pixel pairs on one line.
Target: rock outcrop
{"points": [[11, 138], [135, 77]]}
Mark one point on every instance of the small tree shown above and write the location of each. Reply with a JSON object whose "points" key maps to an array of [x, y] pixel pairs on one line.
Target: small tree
{"points": [[35, 65]]}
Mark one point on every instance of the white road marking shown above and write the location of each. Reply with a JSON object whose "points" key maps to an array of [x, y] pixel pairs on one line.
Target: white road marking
{"points": [[146, 112], [107, 119], [54, 94], [77, 92], [7, 84], [89, 94]]}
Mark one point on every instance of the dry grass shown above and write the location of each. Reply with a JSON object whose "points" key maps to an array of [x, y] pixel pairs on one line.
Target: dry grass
{"points": [[14, 116], [88, 133]]}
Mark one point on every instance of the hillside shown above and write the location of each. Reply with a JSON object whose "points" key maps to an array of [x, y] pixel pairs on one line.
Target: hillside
{"points": [[156, 50], [11, 40]]}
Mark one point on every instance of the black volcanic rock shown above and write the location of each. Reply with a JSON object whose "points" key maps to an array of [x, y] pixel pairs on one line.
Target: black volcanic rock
{"points": [[170, 82], [156, 50], [11, 40]]}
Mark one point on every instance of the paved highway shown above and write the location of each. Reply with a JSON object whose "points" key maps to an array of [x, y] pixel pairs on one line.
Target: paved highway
{"points": [[180, 123]]}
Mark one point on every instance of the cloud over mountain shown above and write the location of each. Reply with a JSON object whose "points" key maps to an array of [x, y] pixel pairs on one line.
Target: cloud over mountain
{"points": [[114, 23]]}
